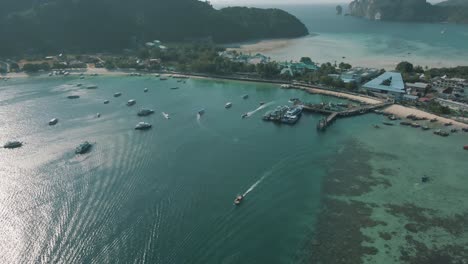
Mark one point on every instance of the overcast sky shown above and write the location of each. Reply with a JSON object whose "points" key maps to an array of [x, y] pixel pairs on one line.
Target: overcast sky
{"points": [[254, 2]]}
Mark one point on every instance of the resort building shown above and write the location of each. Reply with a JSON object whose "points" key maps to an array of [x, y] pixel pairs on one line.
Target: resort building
{"points": [[359, 74], [389, 83], [444, 85], [417, 88], [293, 68]]}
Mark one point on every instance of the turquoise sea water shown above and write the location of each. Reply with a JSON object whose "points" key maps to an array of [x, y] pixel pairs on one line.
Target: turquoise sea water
{"points": [[166, 195], [372, 43]]}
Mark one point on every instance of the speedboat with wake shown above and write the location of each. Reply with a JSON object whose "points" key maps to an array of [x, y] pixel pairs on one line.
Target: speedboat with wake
{"points": [[244, 115], [238, 199], [201, 111], [166, 115]]}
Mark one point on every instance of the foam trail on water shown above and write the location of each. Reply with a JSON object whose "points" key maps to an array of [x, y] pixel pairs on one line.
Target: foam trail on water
{"points": [[260, 108], [256, 183]]}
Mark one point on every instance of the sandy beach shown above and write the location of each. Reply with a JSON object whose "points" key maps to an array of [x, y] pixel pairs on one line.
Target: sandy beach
{"points": [[362, 99], [402, 111]]}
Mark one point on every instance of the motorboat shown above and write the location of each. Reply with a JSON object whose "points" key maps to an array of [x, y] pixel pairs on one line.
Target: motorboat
{"points": [[53, 121], [131, 102], [83, 148], [174, 88], [143, 126], [146, 90], [228, 105], [166, 115], [201, 111], [245, 96], [117, 94], [98, 115], [465, 147], [262, 103], [73, 96], [91, 87], [13, 144], [425, 128], [145, 112], [238, 199], [106, 101], [244, 115]]}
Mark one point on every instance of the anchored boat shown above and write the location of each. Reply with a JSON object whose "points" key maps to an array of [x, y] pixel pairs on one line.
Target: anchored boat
{"points": [[53, 121], [83, 148], [117, 94], [145, 112], [131, 102], [143, 126], [228, 105], [13, 144]]}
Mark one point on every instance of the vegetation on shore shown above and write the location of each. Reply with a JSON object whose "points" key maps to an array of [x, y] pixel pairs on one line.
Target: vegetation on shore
{"points": [[81, 26]]}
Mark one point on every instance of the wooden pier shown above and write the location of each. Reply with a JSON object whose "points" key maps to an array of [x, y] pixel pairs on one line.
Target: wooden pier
{"points": [[333, 115]]}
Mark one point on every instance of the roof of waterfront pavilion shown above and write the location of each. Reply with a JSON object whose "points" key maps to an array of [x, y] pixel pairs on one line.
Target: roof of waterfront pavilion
{"points": [[389, 81]]}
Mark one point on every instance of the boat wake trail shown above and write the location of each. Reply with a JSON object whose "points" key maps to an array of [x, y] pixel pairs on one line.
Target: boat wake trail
{"points": [[257, 183], [260, 108]]}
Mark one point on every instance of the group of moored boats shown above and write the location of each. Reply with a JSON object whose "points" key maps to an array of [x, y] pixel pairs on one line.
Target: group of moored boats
{"points": [[284, 114]]}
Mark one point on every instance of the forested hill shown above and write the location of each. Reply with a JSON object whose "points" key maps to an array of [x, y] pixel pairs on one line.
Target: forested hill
{"points": [[112, 25]]}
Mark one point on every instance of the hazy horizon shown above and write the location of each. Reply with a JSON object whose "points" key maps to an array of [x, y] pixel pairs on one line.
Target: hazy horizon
{"points": [[264, 2]]}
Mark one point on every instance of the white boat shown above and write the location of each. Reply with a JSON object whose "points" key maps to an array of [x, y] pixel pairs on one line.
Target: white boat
{"points": [[228, 105], [131, 102], [106, 101], [143, 126], [53, 121], [166, 115], [117, 94]]}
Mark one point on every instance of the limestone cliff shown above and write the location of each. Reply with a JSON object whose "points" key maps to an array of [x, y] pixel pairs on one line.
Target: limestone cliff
{"points": [[393, 10]]}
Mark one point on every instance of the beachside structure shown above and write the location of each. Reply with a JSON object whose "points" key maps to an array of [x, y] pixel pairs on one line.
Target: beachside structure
{"points": [[293, 68], [448, 86], [417, 88], [358, 74], [389, 83], [245, 58]]}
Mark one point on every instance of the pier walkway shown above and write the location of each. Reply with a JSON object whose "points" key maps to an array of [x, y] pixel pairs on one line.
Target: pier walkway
{"points": [[333, 115]]}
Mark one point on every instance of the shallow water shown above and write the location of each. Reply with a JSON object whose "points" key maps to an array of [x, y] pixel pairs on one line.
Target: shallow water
{"points": [[371, 43], [166, 195]]}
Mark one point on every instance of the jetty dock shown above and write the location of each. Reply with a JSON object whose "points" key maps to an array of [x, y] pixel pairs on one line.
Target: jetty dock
{"points": [[333, 114]]}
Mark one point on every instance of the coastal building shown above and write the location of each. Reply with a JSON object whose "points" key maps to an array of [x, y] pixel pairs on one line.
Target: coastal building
{"points": [[448, 85], [417, 88], [389, 83], [293, 68], [453, 105], [244, 58], [358, 75]]}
